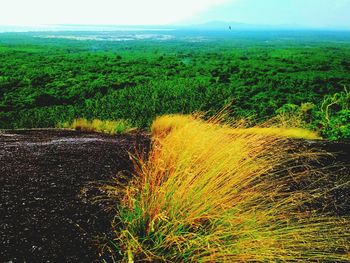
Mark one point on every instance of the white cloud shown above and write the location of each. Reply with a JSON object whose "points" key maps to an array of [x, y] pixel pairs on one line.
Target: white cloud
{"points": [[24, 12]]}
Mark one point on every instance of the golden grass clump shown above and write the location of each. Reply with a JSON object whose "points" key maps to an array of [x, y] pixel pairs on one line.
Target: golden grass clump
{"points": [[211, 193], [297, 133], [96, 125], [164, 124]]}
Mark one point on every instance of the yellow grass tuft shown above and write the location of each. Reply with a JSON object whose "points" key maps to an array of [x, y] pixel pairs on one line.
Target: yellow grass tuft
{"points": [[212, 193], [96, 125], [164, 124], [297, 133]]}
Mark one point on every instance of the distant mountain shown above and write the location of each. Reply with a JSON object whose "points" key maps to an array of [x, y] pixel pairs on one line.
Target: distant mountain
{"points": [[224, 25]]}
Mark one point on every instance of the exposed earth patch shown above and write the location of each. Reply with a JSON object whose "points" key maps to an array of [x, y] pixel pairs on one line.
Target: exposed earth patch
{"points": [[45, 213], [45, 175]]}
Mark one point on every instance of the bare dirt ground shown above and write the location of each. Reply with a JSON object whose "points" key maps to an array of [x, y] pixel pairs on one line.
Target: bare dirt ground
{"points": [[45, 212]]}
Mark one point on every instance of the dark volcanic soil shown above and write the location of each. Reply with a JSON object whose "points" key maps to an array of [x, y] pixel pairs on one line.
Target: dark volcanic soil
{"points": [[44, 212], [45, 209]]}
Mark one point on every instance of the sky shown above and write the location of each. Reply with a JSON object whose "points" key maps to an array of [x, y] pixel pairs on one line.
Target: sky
{"points": [[307, 13]]}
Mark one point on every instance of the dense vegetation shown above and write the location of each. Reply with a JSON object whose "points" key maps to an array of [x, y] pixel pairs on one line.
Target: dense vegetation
{"points": [[299, 76]]}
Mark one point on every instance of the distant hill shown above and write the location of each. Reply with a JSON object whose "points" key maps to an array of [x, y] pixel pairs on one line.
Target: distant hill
{"points": [[227, 25], [224, 25]]}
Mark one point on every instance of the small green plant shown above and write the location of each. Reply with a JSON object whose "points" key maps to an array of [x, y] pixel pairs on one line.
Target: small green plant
{"points": [[96, 125], [335, 115], [291, 115], [331, 118]]}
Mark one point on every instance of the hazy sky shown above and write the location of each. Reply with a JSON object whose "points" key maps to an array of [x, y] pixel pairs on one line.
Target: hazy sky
{"points": [[317, 13]]}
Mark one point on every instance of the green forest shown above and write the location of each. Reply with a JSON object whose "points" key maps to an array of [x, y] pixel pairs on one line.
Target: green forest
{"points": [[301, 79]]}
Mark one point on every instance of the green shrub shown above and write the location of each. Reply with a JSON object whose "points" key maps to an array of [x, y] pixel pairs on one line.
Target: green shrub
{"points": [[334, 116]]}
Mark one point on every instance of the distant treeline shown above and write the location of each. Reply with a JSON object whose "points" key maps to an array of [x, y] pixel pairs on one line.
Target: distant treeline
{"points": [[47, 81]]}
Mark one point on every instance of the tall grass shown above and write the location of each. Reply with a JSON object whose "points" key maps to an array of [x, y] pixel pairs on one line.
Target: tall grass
{"points": [[211, 193], [165, 124], [96, 125]]}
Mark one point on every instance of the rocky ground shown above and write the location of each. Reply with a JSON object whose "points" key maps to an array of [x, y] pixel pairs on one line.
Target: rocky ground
{"points": [[46, 213]]}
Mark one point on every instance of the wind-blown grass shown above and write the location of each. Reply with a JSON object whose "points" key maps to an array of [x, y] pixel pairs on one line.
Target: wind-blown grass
{"points": [[165, 124], [211, 193], [96, 125]]}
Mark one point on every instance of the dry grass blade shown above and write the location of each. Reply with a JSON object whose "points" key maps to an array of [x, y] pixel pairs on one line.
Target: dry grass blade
{"points": [[212, 193]]}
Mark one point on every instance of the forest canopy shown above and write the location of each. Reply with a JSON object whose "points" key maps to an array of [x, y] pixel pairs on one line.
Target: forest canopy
{"points": [[303, 78]]}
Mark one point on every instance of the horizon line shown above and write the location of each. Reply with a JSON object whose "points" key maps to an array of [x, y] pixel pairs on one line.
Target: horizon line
{"points": [[213, 25]]}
